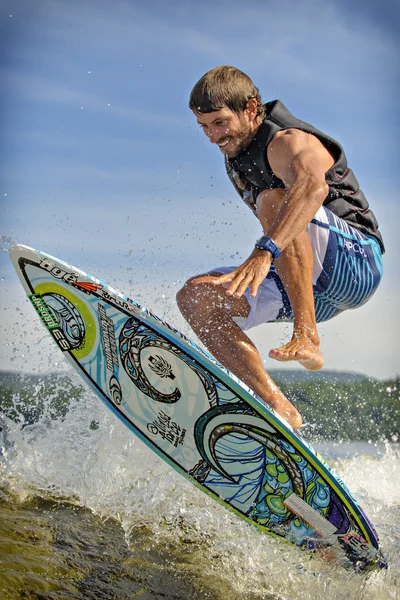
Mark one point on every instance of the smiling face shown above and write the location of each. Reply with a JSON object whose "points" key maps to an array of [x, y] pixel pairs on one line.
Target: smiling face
{"points": [[232, 132]]}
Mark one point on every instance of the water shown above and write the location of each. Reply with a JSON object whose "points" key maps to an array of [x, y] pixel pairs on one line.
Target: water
{"points": [[87, 511]]}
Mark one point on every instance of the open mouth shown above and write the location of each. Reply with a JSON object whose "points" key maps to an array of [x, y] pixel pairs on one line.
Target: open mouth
{"points": [[224, 143]]}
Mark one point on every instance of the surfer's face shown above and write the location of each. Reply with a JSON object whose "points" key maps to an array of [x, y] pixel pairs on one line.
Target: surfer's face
{"points": [[231, 132]]}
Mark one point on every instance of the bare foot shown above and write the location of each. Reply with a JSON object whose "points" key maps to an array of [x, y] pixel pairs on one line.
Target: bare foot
{"points": [[302, 349]]}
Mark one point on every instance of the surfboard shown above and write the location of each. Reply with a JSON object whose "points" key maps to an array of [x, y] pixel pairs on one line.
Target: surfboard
{"points": [[196, 415]]}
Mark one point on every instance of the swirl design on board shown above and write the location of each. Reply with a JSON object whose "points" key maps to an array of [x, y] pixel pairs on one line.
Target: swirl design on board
{"points": [[275, 474], [68, 317], [115, 390], [134, 337]]}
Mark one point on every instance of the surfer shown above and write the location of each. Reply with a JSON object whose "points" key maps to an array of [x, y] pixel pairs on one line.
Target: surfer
{"points": [[320, 252]]}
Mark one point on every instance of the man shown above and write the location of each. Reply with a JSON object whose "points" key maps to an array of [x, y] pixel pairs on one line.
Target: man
{"points": [[321, 249]]}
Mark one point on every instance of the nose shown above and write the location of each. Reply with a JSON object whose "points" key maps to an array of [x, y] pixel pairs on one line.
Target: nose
{"points": [[211, 135]]}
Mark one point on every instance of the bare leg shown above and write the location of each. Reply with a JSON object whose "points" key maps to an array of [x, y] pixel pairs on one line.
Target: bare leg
{"points": [[294, 267], [209, 312]]}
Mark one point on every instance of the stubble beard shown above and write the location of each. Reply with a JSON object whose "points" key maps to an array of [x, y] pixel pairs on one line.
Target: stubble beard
{"points": [[242, 140]]}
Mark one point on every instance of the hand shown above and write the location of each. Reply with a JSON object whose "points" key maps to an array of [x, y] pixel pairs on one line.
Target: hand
{"points": [[250, 274]]}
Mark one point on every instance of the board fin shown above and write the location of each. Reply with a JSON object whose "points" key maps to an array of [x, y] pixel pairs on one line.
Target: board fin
{"points": [[311, 516]]}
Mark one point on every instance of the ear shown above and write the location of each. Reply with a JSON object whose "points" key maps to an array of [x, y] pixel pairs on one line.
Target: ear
{"points": [[251, 109]]}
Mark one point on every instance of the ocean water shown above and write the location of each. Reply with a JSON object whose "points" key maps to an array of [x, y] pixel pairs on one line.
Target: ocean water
{"points": [[87, 511]]}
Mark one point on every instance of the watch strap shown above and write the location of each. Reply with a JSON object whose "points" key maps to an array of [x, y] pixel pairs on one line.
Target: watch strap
{"points": [[267, 243]]}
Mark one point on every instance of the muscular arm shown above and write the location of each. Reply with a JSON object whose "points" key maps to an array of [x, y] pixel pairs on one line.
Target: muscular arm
{"points": [[301, 161]]}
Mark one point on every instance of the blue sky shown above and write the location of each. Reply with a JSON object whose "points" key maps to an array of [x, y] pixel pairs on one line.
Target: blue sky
{"points": [[103, 165]]}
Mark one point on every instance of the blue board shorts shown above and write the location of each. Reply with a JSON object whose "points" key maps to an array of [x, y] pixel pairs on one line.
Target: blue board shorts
{"points": [[347, 270]]}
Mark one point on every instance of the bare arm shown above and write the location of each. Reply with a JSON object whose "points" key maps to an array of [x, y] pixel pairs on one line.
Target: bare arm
{"points": [[301, 161]]}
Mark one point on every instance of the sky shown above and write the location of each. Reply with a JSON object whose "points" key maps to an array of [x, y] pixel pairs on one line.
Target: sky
{"points": [[103, 165]]}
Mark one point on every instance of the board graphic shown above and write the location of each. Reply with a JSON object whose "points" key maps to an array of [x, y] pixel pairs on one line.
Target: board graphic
{"points": [[193, 413]]}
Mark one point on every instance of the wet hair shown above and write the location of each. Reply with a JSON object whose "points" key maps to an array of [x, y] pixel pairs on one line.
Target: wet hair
{"points": [[224, 86]]}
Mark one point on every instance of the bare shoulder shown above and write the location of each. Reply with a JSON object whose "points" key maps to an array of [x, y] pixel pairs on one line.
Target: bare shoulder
{"points": [[289, 144], [294, 140]]}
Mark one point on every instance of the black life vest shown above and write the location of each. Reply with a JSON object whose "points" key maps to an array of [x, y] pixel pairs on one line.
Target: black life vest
{"points": [[251, 173]]}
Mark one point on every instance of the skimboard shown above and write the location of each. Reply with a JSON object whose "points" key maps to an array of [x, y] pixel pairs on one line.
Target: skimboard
{"points": [[194, 414]]}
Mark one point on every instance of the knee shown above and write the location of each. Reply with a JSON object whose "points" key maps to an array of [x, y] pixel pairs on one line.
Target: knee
{"points": [[198, 299], [187, 297]]}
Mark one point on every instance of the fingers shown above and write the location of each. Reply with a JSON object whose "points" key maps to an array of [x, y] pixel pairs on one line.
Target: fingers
{"points": [[247, 275], [239, 284], [244, 278], [214, 280], [236, 278], [255, 284]]}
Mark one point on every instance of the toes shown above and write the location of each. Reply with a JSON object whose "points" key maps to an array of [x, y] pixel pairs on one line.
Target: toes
{"points": [[281, 356], [290, 352]]}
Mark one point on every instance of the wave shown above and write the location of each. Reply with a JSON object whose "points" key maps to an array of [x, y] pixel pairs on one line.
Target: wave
{"points": [[86, 457]]}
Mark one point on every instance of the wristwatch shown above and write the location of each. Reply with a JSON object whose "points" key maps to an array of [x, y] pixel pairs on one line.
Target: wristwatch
{"points": [[267, 243]]}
